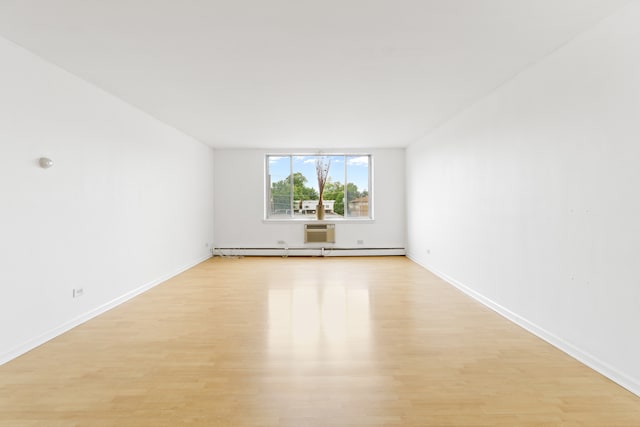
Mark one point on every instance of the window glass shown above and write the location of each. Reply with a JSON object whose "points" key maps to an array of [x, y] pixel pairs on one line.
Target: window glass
{"points": [[357, 192], [279, 187]]}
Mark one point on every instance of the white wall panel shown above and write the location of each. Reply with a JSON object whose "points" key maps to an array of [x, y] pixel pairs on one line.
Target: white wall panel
{"points": [[128, 202], [529, 199]]}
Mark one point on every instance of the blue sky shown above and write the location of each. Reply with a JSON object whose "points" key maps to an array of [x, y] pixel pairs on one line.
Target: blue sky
{"points": [[357, 169]]}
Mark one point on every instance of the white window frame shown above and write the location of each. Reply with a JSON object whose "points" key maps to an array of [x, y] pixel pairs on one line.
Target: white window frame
{"points": [[267, 187]]}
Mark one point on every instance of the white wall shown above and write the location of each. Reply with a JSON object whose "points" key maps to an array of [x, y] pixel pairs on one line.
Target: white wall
{"points": [[239, 211], [529, 200], [128, 203]]}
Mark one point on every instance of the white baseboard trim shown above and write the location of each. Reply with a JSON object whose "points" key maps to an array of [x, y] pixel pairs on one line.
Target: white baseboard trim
{"points": [[78, 320], [626, 381], [314, 251]]}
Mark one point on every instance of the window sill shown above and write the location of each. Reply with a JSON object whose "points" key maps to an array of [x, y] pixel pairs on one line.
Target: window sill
{"points": [[317, 221]]}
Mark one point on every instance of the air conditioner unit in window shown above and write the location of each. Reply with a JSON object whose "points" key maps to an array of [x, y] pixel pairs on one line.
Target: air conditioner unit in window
{"points": [[319, 233]]}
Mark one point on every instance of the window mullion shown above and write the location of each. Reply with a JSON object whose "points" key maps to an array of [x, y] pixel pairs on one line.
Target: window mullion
{"points": [[345, 208], [291, 187]]}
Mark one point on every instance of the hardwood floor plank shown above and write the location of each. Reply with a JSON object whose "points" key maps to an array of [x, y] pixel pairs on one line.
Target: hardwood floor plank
{"points": [[305, 342]]}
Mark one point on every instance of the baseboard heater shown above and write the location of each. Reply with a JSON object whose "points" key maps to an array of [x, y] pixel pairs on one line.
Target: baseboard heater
{"points": [[315, 251]]}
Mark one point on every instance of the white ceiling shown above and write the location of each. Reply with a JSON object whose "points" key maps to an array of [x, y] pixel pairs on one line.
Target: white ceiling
{"points": [[298, 73]]}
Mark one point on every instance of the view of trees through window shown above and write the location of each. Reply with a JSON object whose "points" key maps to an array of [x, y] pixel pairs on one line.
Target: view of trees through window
{"points": [[292, 186]]}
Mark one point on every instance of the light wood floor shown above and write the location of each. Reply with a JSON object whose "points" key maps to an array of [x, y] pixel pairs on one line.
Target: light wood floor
{"points": [[305, 342]]}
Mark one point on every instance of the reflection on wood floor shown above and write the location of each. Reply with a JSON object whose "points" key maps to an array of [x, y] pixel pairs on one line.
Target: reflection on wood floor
{"points": [[305, 342]]}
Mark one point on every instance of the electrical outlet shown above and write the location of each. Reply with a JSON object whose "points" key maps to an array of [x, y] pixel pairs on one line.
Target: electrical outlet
{"points": [[360, 242], [78, 292]]}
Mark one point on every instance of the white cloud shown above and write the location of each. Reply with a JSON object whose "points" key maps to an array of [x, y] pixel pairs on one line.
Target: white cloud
{"points": [[273, 159], [359, 161]]}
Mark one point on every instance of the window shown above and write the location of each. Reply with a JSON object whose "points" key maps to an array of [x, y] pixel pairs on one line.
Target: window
{"points": [[292, 190]]}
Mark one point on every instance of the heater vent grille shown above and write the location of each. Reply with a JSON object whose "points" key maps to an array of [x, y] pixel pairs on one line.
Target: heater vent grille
{"points": [[319, 233]]}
